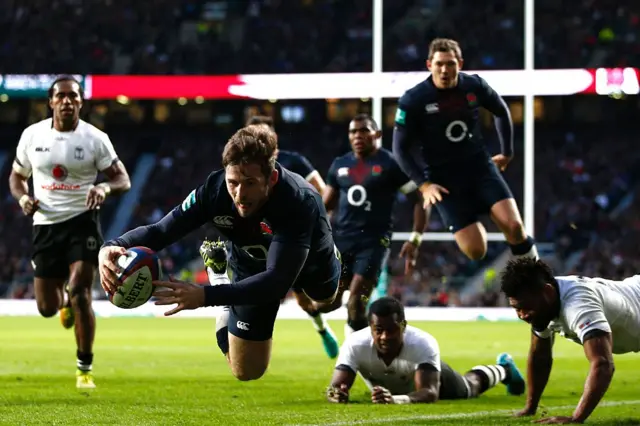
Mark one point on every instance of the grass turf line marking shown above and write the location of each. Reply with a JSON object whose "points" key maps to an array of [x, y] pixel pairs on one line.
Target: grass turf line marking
{"points": [[468, 415]]}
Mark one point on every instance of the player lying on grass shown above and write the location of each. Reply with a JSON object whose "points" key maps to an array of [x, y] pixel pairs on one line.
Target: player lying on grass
{"points": [[601, 315], [279, 235], [401, 364]]}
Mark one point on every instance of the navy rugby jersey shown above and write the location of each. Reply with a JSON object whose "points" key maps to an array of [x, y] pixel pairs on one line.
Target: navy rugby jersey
{"points": [[368, 190], [289, 236], [436, 128]]}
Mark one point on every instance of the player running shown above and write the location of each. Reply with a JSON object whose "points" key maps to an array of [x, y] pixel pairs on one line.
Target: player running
{"points": [[401, 364], [438, 144], [64, 154], [365, 184], [299, 164], [279, 236], [601, 315]]}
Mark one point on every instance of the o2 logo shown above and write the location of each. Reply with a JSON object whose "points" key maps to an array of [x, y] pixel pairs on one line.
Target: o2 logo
{"points": [[357, 196], [457, 131]]}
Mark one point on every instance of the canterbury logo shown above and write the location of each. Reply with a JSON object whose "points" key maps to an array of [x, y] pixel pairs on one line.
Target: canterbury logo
{"points": [[223, 221]]}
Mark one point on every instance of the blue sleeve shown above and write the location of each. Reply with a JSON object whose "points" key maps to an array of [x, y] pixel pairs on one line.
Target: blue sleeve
{"points": [[406, 143], [494, 103], [332, 177], [303, 166], [286, 257], [179, 222]]}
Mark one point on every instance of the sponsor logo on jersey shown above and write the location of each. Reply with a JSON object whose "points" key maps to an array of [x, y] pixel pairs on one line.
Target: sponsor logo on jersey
{"points": [[343, 171], [59, 172], [401, 116], [60, 187]]}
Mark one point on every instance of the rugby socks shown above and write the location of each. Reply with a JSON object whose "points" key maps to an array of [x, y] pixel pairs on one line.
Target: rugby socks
{"points": [[222, 329], [527, 248], [222, 319], [84, 361], [490, 375], [318, 321]]}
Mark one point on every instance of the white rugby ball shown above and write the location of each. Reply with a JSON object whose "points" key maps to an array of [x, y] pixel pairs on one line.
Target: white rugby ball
{"points": [[140, 267]]}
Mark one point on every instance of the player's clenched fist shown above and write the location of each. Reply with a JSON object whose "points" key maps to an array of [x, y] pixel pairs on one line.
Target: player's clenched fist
{"points": [[432, 193], [28, 205], [108, 267], [338, 394], [380, 395]]}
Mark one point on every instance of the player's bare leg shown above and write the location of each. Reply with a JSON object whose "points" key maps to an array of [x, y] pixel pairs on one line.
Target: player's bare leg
{"points": [[80, 282], [472, 241], [359, 292], [248, 359], [506, 216], [49, 295], [329, 340]]}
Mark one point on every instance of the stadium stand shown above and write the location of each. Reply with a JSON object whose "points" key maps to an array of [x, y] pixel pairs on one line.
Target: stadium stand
{"points": [[582, 175]]}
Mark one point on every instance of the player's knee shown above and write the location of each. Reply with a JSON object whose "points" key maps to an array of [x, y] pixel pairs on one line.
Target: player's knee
{"points": [[245, 375], [48, 309], [80, 297], [475, 252]]}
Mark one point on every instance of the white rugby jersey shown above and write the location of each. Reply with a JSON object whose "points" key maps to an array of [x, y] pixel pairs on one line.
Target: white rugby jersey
{"points": [[359, 354], [64, 166], [588, 304]]}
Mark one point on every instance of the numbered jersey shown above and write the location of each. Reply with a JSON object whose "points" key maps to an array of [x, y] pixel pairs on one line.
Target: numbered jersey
{"points": [[588, 304], [293, 214], [368, 189], [446, 121]]}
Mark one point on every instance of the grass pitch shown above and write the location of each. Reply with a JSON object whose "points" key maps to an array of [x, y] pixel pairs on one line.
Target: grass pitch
{"points": [[169, 371]]}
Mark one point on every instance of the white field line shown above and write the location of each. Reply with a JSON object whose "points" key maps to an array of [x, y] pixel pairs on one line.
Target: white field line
{"points": [[471, 415]]}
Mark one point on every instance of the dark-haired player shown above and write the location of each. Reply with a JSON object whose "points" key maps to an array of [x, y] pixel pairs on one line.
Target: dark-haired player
{"points": [[279, 236], [601, 315], [438, 143], [64, 155], [363, 185], [299, 164], [401, 364]]}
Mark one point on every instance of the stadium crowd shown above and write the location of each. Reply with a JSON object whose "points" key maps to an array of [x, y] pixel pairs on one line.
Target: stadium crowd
{"points": [[580, 174], [279, 36]]}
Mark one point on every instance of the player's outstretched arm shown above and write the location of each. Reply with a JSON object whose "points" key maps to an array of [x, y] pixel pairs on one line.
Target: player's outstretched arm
{"points": [[538, 370], [427, 380], [341, 382], [598, 349]]}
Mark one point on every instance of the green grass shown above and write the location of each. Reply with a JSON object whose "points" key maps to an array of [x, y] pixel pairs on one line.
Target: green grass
{"points": [[157, 371]]}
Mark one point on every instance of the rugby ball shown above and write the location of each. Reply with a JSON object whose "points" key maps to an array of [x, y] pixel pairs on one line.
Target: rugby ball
{"points": [[139, 266]]}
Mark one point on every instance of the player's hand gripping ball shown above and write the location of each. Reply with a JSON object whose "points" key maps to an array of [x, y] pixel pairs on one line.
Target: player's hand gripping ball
{"points": [[139, 267]]}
